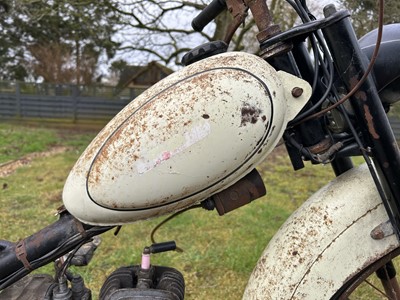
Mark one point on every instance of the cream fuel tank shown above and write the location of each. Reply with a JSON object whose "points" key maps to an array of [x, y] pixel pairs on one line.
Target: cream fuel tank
{"points": [[191, 135]]}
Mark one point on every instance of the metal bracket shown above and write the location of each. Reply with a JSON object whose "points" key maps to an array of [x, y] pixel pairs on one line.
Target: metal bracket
{"points": [[20, 252]]}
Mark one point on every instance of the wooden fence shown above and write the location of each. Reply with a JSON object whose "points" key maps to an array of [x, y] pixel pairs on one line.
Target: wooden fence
{"points": [[73, 104], [395, 122], [62, 103]]}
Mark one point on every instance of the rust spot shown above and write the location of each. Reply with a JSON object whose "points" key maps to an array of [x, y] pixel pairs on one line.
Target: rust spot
{"points": [[250, 114], [202, 80], [361, 95], [370, 123], [327, 220]]}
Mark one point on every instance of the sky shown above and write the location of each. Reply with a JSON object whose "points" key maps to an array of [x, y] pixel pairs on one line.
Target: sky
{"points": [[192, 41]]}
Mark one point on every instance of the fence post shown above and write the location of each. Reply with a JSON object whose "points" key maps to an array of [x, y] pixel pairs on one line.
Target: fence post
{"points": [[18, 100], [75, 94], [132, 94]]}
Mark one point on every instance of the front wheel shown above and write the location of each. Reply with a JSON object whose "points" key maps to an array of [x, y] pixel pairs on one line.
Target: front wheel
{"points": [[325, 246], [379, 279]]}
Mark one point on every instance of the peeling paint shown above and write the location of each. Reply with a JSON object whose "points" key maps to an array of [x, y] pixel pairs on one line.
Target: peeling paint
{"points": [[195, 135]]}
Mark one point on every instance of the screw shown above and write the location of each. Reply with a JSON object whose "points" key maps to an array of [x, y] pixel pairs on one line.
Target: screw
{"points": [[297, 92]]}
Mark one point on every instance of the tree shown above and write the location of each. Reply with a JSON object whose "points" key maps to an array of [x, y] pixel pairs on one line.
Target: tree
{"points": [[161, 30], [365, 14], [58, 40]]}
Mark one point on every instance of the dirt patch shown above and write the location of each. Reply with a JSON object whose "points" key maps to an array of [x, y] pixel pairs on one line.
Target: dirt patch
{"points": [[9, 167]]}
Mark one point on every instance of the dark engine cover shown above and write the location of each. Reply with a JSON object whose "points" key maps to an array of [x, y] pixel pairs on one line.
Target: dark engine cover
{"points": [[124, 283]]}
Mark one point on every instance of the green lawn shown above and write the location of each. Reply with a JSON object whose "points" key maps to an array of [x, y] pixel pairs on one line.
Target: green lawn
{"points": [[219, 252]]}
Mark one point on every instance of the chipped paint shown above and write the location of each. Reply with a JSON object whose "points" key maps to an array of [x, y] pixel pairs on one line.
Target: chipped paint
{"points": [[250, 114]]}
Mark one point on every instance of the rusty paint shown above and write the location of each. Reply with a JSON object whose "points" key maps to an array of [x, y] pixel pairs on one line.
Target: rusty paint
{"points": [[249, 114], [360, 94], [241, 193], [321, 147], [370, 123]]}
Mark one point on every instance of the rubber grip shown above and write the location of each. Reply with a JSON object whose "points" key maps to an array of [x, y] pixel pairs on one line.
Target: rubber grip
{"points": [[162, 247], [209, 13]]}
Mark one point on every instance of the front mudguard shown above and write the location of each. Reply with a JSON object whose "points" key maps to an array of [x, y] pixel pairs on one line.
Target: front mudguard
{"points": [[324, 243]]}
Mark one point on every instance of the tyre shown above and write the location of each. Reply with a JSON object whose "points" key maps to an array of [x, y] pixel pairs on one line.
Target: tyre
{"points": [[378, 280]]}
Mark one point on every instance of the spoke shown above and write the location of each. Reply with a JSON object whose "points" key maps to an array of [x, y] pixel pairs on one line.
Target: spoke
{"points": [[377, 289]]}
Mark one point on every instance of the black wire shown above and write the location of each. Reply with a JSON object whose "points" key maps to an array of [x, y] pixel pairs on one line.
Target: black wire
{"points": [[69, 258], [303, 150], [52, 255], [294, 5], [35, 263], [325, 63], [153, 232], [304, 12], [318, 104], [366, 73]]}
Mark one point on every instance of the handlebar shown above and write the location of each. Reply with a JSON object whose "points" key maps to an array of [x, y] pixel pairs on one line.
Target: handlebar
{"points": [[209, 13]]}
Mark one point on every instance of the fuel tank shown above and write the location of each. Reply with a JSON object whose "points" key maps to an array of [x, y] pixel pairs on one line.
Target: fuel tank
{"points": [[191, 135]]}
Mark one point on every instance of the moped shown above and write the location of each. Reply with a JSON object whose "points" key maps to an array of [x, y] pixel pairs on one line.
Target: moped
{"points": [[200, 133]]}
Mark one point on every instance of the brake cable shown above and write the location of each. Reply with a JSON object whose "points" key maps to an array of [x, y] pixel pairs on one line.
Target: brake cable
{"points": [[363, 78]]}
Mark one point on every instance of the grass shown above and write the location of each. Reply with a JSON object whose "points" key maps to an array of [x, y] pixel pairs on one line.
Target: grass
{"points": [[16, 141], [219, 252]]}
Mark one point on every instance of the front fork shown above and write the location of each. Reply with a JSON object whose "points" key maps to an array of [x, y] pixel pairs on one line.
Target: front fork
{"points": [[379, 140]]}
